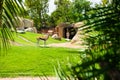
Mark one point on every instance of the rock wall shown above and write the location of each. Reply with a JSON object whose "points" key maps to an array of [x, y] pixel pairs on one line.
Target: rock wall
{"points": [[25, 24]]}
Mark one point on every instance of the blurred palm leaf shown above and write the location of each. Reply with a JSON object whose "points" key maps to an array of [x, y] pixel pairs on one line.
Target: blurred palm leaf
{"points": [[9, 11], [103, 29]]}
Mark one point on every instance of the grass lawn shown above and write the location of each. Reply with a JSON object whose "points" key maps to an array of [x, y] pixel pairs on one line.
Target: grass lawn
{"points": [[31, 60], [32, 37], [35, 61]]}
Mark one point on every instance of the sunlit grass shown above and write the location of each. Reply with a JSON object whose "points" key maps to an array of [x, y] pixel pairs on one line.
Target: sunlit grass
{"points": [[31, 60], [32, 37], [35, 61]]}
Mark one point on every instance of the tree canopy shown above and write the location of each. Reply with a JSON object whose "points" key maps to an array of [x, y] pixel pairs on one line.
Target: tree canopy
{"points": [[37, 10], [69, 11]]}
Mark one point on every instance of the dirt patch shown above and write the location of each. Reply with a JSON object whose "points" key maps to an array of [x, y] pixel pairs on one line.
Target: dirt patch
{"points": [[31, 78], [15, 43], [67, 45]]}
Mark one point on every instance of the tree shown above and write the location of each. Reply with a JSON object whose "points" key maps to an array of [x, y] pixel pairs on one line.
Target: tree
{"points": [[79, 8], [37, 10], [69, 11], [62, 12], [9, 9]]}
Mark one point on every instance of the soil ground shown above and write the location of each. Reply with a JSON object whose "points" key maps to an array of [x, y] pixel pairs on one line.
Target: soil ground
{"points": [[66, 44]]}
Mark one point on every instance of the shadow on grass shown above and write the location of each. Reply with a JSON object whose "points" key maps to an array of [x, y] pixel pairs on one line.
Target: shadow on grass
{"points": [[44, 47], [74, 51]]}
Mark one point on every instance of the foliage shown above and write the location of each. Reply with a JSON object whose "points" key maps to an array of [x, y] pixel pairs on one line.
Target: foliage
{"points": [[37, 10], [101, 59], [62, 12], [69, 11], [79, 8], [9, 9]]}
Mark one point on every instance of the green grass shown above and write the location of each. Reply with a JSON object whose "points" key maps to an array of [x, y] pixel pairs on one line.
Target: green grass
{"points": [[32, 37], [35, 61], [31, 60]]}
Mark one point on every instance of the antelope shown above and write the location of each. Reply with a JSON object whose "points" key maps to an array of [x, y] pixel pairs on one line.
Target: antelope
{"points": [[43, 38]]}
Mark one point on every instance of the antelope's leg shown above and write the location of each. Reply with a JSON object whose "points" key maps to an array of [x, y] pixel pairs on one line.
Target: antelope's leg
{"points": [[44, 43], [38, 42]]}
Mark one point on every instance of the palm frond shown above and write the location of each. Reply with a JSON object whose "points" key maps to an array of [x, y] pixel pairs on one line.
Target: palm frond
{"points": [[103, 47], [10, 10]]}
